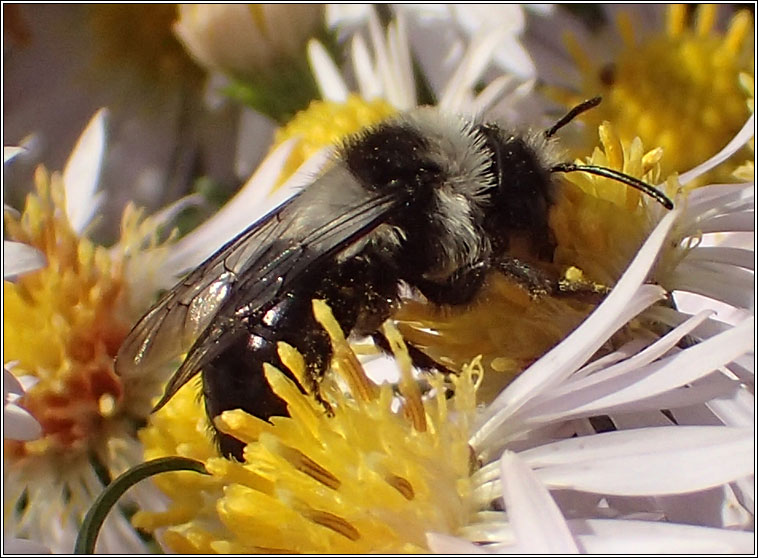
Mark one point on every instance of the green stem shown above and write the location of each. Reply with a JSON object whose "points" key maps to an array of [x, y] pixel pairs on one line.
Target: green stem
{"points": [[93, 521]]}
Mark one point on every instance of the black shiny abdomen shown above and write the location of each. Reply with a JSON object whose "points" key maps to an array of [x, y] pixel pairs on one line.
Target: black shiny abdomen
{"points": [[360, 293]]}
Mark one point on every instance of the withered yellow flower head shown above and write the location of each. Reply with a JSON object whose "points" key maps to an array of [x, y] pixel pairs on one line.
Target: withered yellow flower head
{"points": [[370, 472]]}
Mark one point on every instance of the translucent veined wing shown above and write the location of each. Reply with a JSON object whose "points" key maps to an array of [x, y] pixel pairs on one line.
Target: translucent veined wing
{"points": [[199, 315]]}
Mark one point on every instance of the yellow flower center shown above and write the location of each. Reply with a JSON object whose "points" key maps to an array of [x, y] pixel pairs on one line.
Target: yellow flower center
{"points": [[678, 89], [63, 325], [326, 123], [367, 477], [599, 223]]}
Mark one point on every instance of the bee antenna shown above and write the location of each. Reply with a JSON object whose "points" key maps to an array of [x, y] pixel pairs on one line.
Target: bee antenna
{"points": [[654, 193], [573, 113]]}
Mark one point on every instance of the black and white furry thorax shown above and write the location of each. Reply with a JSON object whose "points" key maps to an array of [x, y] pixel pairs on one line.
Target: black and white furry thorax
{"points": [[470, 184]]}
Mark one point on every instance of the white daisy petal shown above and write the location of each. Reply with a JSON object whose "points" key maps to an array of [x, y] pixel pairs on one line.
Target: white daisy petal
{"points": [[477, 58], [11, 384], [369, 85], [20, 258], [10, 152], [622, 353], [626, 387], [646, 461], [397, 41], [742, 221], [440, 543], [714, 196], [346, 15], [328, 77], [493, 93], [82, 173], [514, 58], [537, 522], [732, 285], [625, 301], [705, 390], [736, 410], [11, 210], [637, 359], [673, 318], [723, 255], [618, 536], [389, 64], [18, 424], [735, 144], [622, 385]]}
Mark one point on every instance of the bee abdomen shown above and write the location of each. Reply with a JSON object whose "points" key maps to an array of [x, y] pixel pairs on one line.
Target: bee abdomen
{"points": [[360, 295]]}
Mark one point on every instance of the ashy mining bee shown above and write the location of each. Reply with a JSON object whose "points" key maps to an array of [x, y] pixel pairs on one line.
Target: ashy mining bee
{"points": [[425, 200]]}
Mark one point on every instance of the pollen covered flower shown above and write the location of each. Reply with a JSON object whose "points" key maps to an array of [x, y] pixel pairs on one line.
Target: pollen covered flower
{"points": [[359, 474], [677, 88]]}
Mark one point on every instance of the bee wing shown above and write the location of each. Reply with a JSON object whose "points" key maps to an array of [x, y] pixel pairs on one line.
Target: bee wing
{"points": [[201, 314], [171, 326]]}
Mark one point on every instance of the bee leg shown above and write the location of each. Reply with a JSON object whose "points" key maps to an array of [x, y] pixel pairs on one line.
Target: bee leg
{"points": [[539, 283], [534, 280], [461, 287], [419, 358]]}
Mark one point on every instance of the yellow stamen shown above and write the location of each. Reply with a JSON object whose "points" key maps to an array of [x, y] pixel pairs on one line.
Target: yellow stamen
{"points": [[346, 362], [706, 17], [676, 20], [414, 408]]}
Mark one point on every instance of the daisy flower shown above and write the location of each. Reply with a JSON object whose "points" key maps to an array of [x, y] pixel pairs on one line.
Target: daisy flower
{"points": [[633, 485], [64, 323], [673, 82]]}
